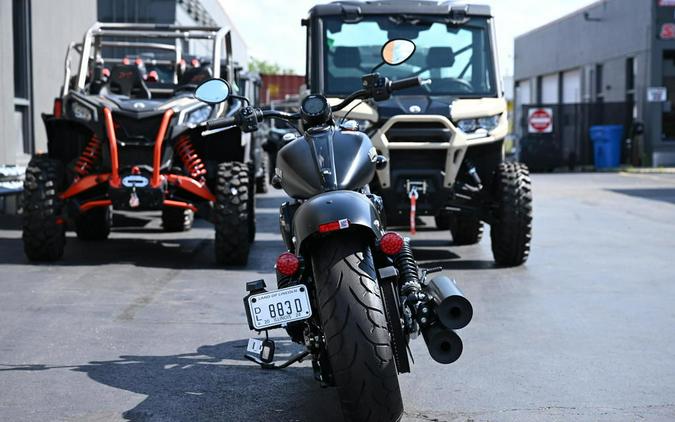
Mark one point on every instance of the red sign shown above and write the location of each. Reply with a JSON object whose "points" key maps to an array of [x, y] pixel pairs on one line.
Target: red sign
{"points": [[667, 31], [540, 120]]}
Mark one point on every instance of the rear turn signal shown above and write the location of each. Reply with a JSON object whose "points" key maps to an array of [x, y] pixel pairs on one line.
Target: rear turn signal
{"points": [[288, 264], [391, 243]]}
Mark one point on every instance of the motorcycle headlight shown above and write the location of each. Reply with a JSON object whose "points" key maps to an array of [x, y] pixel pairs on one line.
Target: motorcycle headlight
{"points": [[80, 112], [488, 123], [199, 115]]}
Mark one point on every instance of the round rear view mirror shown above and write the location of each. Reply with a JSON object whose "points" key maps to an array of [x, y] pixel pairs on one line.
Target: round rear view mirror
{"points": [[213, 91], [397, 51]]}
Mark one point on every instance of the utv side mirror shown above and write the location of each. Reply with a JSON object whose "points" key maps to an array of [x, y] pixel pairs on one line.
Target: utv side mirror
{"points": [[397, 51], [213, 91]]}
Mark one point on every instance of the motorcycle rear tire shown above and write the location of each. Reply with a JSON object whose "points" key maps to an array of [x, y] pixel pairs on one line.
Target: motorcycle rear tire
{"points": [[358, 343]]}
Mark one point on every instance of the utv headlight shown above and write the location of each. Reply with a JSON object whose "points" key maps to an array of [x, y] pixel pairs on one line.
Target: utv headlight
{"points": [[467, 125], [489, 124], [199, 115], [80, 112]]}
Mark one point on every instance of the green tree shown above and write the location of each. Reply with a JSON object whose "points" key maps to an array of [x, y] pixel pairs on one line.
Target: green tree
{"points": [[263, 66]]}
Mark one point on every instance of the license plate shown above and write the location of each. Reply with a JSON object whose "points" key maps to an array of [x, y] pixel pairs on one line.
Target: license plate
{"points": [[279, 307]]}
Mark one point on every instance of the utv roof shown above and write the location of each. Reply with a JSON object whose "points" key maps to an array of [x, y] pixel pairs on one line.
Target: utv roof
{"points": [[353, 9]]}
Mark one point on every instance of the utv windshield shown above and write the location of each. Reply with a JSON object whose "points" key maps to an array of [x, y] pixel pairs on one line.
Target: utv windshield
{"points": [[457, 58]]}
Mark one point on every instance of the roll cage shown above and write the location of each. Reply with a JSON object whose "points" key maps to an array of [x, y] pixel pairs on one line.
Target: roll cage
{"points": [[101, 35]]}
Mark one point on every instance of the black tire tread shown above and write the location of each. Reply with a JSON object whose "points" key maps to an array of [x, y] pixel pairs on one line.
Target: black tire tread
{"points": [[511, 234], [94, 224], [44, 234], [358, 343], [176, 219], [231, 217], [466, 229]]}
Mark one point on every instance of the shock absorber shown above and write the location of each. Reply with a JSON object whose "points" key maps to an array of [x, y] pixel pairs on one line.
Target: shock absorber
{"points": [[88, 158], [416, 301], [191, 160]]}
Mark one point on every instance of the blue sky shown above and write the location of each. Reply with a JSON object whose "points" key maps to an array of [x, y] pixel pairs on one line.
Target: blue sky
{"points": [[272, 28]]}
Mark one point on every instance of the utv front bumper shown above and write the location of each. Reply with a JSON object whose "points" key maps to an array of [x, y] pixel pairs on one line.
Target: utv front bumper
{"points": [[425, 151]]}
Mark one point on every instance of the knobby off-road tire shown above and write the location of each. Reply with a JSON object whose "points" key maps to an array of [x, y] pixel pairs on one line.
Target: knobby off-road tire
{"points": [[511, 234], [466, 229], [251, 214], [44, 232], [231, 214], [176, 219], [443, 221], [358, 343], [94, 224]]}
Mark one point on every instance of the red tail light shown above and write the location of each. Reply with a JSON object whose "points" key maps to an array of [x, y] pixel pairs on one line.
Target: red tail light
{"points": [[58, 108], [391, 243], [288, 264]]}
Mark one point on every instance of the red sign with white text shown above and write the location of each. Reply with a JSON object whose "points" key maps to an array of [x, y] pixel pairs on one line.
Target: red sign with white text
{"points": [[540, 120]]}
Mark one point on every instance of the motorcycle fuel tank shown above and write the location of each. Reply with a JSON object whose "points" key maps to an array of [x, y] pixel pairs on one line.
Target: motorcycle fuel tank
{"points": [[326, 159]]}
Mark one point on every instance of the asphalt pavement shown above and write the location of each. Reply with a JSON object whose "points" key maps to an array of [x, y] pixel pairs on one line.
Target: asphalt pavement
{"points": [[144, 326]]}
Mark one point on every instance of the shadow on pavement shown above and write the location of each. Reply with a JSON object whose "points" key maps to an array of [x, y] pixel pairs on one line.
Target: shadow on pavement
{"points": [[654, 194], [215, 383], [135, 244]]}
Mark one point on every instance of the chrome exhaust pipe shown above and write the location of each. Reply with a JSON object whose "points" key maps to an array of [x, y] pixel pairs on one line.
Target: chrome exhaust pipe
{"points": [[444, 345], [453, 310]]}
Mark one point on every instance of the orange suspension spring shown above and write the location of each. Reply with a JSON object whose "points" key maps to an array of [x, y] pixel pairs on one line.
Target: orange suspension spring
{"points": [[88, 157], [188, 155]]}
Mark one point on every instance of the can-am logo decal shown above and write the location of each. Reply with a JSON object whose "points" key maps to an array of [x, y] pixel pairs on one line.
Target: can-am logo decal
{"points": [[415, 109], [135, 181]]}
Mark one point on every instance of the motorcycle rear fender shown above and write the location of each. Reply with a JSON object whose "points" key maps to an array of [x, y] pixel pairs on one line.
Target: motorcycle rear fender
{"points": [[335, 206]]}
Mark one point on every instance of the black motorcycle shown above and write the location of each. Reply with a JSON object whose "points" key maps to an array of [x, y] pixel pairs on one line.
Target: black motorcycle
{"points": [[348, 290]]}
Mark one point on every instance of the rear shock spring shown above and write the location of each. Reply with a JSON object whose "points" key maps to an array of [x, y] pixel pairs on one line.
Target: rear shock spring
{"points": [[408, 270], [414, 298], [191, 160], [85, 163]]}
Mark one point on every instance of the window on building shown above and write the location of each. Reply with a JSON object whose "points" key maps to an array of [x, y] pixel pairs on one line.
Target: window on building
{"points": [[631, 71], [21, 27], [599, 91], [630, 74]]}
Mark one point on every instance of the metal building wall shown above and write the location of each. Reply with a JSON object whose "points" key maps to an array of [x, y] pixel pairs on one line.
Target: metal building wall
{"points": [[7, 133], [606, 32], [53, 25]]}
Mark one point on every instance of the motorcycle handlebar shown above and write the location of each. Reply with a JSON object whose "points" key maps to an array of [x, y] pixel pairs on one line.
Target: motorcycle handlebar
{"points": [[221, 123], [413, 82]]}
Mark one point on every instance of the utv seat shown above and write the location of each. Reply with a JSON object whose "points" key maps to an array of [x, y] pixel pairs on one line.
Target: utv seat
{"points": [[194, 76], [126, 79], [349, 59]]}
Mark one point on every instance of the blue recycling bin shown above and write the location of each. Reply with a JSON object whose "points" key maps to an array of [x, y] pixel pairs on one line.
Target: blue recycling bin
{"points": [[607, 145]]}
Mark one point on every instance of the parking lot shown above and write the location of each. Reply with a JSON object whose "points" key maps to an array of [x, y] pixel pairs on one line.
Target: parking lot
{"points": [[144, 327]]}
